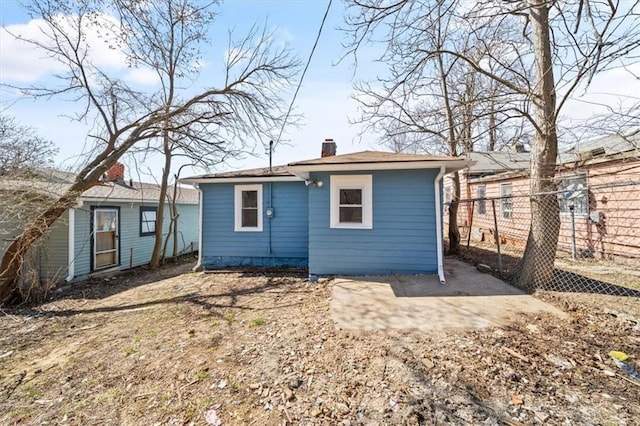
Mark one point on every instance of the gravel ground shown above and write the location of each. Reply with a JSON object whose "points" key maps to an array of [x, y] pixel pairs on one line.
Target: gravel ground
{"points": [[260, 347]]}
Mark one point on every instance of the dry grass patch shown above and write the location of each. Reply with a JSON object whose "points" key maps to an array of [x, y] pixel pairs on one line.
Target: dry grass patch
{"points": [[261, 348]]}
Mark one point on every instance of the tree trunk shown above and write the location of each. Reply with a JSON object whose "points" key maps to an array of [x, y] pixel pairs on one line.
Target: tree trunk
{"points": [[492, 125], [174, 219], [536, 268], [454, 232], [156, 256], [12, 260]]}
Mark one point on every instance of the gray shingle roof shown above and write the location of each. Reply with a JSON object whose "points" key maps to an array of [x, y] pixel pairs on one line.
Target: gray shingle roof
{"points": [[138, 192], [369, 157], [363, 157], [276, 171], [602, 147], [498, 161]]}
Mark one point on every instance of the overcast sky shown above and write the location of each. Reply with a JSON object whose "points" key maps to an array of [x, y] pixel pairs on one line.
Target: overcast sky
{"points": [[324, 98]]}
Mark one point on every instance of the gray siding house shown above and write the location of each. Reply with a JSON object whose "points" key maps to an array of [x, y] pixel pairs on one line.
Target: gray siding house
{"points": [[111, 228], [354, 214]]}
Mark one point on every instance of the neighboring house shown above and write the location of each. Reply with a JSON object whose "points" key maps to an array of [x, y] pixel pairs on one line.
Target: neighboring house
{"points": [[599, 178], [362, 213], [112, 226]]}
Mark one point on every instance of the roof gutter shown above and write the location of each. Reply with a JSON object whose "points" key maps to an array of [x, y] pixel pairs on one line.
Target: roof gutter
{"points": [[449, 166], [439, 236], [247, 179], [198, 264]]}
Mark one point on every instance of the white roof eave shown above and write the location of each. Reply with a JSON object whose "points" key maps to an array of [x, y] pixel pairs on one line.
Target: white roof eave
{"points": [[127, 200], [449, 165], [302, 171], [255, 179]]}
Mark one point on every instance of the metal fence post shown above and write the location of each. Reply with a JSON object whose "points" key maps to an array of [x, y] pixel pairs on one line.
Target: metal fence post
{"points": [[495, 223], [470, 222], [573, 231]]}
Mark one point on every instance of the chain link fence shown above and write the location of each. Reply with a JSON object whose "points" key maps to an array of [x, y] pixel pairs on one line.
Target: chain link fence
{"points": [[598, 249]]}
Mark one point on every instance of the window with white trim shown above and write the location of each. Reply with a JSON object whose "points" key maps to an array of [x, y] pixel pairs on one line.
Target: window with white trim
{"points": [[506, 202], [248, 208], [351, 201]]}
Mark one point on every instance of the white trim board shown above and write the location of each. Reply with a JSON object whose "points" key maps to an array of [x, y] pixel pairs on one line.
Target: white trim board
{"points": [[237, 207], [449, 166], [362, 182], [242, 179]]}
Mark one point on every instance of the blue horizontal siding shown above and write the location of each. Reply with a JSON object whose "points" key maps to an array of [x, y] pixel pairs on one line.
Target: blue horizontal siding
{"points": [[134, 250], [284, 239], [403, 239]]}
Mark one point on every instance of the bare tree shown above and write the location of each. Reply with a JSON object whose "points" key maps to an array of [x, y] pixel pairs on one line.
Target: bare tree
{"points": [[24, 158], [246, 98], [431, 101], [21, 149], [25, 174], [567, 42], [176, 29]]}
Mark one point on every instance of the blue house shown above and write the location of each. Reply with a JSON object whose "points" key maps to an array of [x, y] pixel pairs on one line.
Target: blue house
{"points": [[110, 228], [365, 213]]}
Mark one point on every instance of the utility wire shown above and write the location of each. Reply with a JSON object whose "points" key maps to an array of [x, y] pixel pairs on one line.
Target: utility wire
{"points": [[306, 67]]}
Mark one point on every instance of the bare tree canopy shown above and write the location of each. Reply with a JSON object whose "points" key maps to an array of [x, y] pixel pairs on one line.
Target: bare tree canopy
{"points": [[241, 101], [409, 106], [21, 149], [565, 43]]}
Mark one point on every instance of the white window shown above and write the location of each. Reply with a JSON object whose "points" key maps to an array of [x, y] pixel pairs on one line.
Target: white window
{"points": [[481, 193], [248, 208], [506, 202], [351, 201], [573, 192], [447, 195]]}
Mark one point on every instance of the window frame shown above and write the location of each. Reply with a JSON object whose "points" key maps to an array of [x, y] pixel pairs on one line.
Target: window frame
{"points": [[482, 199], [506, 201], [144, 209], [238, 190], [447, 195], [563, 205], [361, 182]]}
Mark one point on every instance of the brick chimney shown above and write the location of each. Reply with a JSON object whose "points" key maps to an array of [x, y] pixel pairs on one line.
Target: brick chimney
{"points": [[116, 173], [328, 148]]}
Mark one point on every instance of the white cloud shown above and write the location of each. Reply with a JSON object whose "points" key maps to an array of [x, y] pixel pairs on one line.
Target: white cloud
{"points": [[142, 77], [615, 89], [23, 62]]}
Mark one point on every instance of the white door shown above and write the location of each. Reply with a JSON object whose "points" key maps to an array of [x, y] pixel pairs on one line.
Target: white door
{"points": [[105, 239]]}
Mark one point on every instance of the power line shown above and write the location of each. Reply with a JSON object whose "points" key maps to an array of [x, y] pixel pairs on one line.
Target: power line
{"points": [[306, 67]]}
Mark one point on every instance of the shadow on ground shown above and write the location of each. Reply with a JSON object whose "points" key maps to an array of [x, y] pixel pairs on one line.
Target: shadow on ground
{"points": [[564, 281], [103, 288]]}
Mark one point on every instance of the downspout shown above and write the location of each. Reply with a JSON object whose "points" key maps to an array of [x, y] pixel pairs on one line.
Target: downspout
{"points": [[72, 246], [269, 252], [439, 239], [198, 264]]}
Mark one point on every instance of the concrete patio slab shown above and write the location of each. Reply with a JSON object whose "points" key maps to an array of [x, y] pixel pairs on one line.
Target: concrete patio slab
{"points": [[469, 299]]}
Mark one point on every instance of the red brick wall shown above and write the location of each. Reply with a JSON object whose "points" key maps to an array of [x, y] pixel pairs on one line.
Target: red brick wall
{"points": [[609, 196]]}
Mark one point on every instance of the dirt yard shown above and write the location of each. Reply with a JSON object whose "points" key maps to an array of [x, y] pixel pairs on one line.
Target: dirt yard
{"points": [[175, 348]]}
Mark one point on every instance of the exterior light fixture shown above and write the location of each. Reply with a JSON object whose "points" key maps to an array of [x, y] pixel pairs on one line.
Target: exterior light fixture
{"points": [[314, 182]]}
